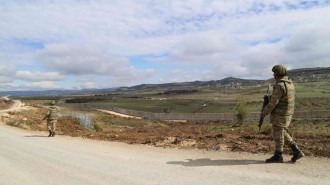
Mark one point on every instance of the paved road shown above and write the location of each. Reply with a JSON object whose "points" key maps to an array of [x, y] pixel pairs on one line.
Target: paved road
{"points": [[31, 158]]}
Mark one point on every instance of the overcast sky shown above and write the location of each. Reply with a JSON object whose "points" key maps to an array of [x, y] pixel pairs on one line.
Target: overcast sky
{"points": [[75, 44]]}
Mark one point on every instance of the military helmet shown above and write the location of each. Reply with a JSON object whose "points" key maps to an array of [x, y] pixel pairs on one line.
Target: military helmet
{"points": [[280, 70], [52, 102]]}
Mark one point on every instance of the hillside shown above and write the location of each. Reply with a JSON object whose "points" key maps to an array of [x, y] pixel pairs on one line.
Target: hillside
{"points": [[54, 92], [297, 75], [310, 74], [225, 81]]}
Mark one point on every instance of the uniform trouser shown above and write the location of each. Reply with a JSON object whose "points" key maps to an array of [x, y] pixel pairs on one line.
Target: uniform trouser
{"points": [[281, 136], [51, 125]]}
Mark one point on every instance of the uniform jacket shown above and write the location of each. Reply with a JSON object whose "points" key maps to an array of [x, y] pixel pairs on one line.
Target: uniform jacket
{"points": [[52, 113], [281, 104]]}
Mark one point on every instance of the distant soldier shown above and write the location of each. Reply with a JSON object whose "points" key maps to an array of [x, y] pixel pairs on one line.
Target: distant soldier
{"points": [[52, 118], [281, 108]]}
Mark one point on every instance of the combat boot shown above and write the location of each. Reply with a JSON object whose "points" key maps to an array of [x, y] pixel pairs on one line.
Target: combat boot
{"points": [[297, 153], [53, 134], [50, 133], [277, 158]]}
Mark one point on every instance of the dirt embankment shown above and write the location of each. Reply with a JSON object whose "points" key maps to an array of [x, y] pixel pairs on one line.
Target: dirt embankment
{"points": [[5, 103], [202, 135]]}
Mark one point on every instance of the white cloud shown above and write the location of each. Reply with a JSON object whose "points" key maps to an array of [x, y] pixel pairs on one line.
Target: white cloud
{"points": [[132, 77], [4, 79], [132, 28], [6, 70], [205, 48], [81, 60], [35, 86], [225, 69], [307, 47], [219, 38], [38, 76], [88, 83], [43, 85]]}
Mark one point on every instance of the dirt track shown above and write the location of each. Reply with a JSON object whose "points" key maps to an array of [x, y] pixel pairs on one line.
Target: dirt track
{"points": [[118, 114], [28, 157]]}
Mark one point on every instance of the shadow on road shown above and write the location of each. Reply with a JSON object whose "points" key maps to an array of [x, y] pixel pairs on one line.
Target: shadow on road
{"points": [[209, 162], [36, 136]]}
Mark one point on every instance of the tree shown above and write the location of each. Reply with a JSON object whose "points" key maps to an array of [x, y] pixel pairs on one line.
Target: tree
{"points": [[242, 111]]}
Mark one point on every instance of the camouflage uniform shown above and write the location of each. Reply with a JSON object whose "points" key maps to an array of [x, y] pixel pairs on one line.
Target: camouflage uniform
{"points": [[281, 107], [52, 118]]}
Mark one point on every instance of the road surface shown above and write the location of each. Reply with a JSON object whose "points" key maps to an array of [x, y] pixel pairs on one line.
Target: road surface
{"points": [[28, 157]]}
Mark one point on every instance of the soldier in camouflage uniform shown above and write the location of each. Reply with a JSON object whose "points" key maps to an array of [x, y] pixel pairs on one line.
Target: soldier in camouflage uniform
{"points": [[281, 108], [52, 118]]}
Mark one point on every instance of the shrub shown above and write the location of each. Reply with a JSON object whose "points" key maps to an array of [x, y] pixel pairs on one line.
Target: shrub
{"points": [[241, 109], [97, 128]]}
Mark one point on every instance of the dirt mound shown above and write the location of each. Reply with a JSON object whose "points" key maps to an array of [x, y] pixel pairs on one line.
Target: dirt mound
{"points": [[5, 104]]}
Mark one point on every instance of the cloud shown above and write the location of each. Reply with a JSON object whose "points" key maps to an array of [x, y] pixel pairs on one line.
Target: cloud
{"points": [[81, 60], [40, 86], [204, 48], [133, 77], [38, 76], [84, 60], [132, 28], [43, 85], [95, 39], [4, 79], [88, 83], [224, 69], [7, 71], [307, 47]]}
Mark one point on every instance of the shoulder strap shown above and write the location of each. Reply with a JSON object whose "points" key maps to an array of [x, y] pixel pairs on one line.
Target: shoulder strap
{"points": [[286, 88]]}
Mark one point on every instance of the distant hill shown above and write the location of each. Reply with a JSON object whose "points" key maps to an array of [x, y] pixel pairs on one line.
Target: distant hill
{"points": [[310, 74], [306, 75], [225, 81], [297, 75], [54, 92]]}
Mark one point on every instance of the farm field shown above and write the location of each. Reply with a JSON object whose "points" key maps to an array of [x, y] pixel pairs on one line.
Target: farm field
{"points": [[309, 96]]}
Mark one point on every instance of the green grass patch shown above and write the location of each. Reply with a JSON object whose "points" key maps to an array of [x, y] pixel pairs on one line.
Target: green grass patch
{"points": [[28, 122], [221, 128], [315, 127], [118, 121]]}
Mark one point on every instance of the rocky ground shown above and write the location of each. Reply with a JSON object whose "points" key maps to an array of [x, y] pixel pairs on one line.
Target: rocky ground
{"points": [[202, 135]]}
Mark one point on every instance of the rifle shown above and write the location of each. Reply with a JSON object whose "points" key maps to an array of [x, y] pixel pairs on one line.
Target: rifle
{"points": [[266, 101], [44, 118]]}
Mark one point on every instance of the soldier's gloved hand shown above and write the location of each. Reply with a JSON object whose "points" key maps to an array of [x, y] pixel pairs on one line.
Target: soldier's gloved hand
{"points": [[262, 115]]}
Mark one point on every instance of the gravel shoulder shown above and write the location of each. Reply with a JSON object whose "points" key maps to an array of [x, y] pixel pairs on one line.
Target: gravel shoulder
{"points": [[28, 157]]}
